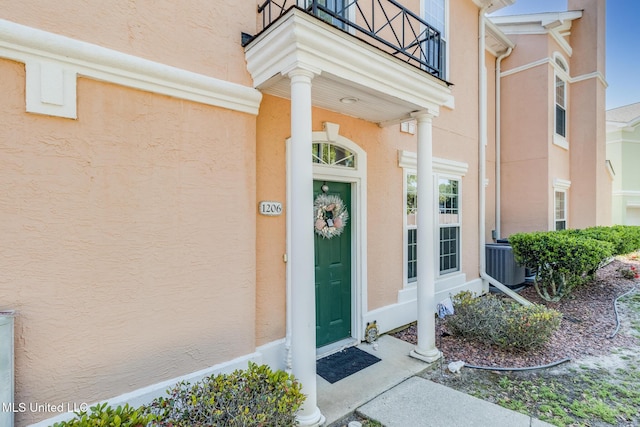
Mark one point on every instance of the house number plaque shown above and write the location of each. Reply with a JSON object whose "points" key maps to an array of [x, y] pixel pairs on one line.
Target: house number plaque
{"points": [[270, 208]]}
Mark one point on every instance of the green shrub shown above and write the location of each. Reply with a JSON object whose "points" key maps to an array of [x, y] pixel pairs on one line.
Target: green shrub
{"points": [[502, 323], [105, 415], [254, 397], [562, 260], [624, 238]]}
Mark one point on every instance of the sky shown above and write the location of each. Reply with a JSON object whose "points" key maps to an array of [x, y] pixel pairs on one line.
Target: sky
{"points": [[623, 44]]}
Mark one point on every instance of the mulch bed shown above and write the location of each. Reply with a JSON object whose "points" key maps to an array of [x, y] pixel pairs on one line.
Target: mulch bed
{"points": [[588, 321]]}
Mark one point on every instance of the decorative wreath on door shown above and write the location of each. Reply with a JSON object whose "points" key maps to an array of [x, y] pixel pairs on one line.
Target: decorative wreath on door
{"points": [[330, 215]]}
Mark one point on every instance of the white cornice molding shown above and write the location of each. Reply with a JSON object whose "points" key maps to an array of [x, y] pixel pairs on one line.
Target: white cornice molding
{"points": [[409, 160], [550, 61], [53, 62], [561, 184], [525, 67], [627, 193]]}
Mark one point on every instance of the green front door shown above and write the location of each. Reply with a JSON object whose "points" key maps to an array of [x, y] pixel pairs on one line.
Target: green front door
{"points": [[333, 275]]}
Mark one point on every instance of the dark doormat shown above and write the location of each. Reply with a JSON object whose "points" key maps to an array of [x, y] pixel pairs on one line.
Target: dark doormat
{"points": [[344, 363]]}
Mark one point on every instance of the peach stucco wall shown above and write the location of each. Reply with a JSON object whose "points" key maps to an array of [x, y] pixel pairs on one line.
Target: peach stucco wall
{"points": [[455, 131], [385, 191], [128, 240], [526, 133], [490, 172], [201, 36], [591, 193], [528, 128]]}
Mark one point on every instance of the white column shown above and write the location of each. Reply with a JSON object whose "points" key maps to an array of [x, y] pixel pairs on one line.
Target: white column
{"points": [[301, 251], [426, 256]]}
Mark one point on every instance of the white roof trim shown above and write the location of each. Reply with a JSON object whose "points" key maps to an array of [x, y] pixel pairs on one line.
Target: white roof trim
{"points": [[555, 24], [53, 62]]}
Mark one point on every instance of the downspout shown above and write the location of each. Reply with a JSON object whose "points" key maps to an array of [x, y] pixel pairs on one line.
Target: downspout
{"points": [[499, 142], [482, 139]]}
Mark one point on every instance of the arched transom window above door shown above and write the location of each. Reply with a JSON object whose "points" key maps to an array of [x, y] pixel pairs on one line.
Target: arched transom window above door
{"points": [[327, 153], [334, 154]]}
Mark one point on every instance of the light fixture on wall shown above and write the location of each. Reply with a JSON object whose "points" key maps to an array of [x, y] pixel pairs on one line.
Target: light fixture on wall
{"points": [[324, 187], [349, 100]]}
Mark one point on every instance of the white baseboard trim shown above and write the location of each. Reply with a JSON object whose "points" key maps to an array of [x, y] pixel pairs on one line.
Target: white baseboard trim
{"points": [[405, 311]]}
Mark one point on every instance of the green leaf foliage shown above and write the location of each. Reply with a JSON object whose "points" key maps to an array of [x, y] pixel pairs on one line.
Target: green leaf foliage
{"points": [[253, 397], [103, 415], [505, 324], [562, 259]]}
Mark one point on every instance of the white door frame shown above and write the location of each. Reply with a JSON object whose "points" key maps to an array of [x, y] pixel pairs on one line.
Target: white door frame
{"points": [[358, 178]]}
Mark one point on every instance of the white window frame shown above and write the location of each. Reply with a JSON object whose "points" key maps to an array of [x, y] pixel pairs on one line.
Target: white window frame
{"points": [[406, 227], [561, 72], [442, 168], [457, 224], [560, 186]]}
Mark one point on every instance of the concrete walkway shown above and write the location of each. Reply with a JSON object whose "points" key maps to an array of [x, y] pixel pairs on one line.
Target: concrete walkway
{"points": [[391, 392], [418, 402]]}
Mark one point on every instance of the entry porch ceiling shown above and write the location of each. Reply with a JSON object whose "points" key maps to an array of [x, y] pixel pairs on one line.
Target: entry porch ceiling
{"points": [[352, 77]]}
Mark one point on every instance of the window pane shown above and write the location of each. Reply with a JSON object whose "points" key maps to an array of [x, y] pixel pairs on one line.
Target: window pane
{"points": [[560, 201], [448, 201], [560, 121], [560, 86], [412, 199], [334, 7], [434, 14], [332, 155], [560, 210], [412, 251], [449, 249]]}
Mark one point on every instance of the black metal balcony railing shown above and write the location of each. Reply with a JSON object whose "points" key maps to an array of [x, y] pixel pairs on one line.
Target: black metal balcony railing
{"points": [[385, 24]]}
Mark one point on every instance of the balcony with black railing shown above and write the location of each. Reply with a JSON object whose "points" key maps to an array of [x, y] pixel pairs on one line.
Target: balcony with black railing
{"points": [[385, 24]]}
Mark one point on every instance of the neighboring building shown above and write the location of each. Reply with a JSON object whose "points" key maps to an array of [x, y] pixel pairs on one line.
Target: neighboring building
{"points": [[160, 164], [553, 141], [623, 150]]}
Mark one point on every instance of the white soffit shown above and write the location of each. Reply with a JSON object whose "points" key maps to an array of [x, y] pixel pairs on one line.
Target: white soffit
{"points": [[496, 42], [493, 5], [537, 23], [386, 88]]}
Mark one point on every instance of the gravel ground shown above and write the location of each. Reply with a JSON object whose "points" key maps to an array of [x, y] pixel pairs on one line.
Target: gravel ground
{"points": [[588, 321]]}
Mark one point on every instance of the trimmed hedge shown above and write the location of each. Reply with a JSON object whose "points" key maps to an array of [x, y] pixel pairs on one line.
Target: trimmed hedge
{"points": [[568, 258], [624, 238], [561, 260]]}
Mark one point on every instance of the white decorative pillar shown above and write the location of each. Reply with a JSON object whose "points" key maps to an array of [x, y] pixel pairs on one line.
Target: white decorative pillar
{"points": [[301, 251], [426, 256]]}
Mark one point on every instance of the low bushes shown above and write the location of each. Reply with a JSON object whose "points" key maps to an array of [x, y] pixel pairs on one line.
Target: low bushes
{"points": [[506, 324], [104, 415], [255, 397]]}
